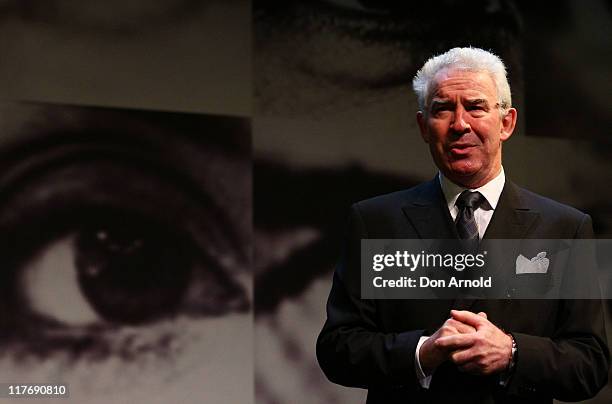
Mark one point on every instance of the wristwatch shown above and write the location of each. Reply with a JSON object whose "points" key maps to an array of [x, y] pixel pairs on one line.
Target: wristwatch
{"points": [[512, 361]]}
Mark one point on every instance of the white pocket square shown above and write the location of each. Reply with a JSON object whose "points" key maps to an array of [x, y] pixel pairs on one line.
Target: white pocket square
{"points": [[536, 265]]}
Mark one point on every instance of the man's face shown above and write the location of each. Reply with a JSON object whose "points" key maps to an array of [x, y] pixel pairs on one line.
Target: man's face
{"points": [[463, 126]]}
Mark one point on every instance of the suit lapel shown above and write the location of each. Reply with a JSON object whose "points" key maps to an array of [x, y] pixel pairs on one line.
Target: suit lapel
{"points": [[429, 214], [512, 218]]}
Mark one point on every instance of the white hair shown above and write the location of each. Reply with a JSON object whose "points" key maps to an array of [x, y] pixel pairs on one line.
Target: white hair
{"points": [[472, 59]]}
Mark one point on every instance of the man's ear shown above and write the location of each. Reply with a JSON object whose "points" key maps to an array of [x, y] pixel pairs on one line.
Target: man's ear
{"points": [[422, 121], [508, 124]]}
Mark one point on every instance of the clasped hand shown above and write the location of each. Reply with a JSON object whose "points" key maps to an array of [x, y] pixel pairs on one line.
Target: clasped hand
{"points": [[471, 342]]}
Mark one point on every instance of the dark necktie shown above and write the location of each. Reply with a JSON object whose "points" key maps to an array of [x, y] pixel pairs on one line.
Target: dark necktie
{"points": [[467, 203]]}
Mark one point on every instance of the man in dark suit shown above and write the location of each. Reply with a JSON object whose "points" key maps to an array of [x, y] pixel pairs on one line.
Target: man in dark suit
{"points": [[472, 351]]}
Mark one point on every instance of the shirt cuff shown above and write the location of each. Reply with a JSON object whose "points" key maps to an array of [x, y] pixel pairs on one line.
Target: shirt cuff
{"points": [[423, 379]]}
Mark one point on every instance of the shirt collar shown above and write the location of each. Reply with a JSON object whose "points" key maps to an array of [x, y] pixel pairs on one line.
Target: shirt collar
{"points": [[491, 190]]}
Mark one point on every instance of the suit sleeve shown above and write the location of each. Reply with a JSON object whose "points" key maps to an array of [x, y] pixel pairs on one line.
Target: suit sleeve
{"points": [[351, 349], [573, 363]]}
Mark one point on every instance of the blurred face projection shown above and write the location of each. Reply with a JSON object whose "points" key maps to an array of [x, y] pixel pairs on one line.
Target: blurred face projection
{"points": [[125, 240], [320, 57]]}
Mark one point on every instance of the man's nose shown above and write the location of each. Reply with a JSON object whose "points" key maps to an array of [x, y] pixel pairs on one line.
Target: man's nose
{"points": [[459, 124]]}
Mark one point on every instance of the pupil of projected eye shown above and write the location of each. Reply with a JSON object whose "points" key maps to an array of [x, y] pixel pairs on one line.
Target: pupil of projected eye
{"points": [[131, 276]]}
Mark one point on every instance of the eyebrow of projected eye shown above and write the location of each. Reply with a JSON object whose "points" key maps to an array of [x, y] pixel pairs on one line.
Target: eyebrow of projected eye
{"points": [[164, 173], [82, 177]]}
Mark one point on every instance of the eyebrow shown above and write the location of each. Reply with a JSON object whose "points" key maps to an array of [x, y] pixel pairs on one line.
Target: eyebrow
{"points": [[478, 101], [448, 103], [441, 103]]}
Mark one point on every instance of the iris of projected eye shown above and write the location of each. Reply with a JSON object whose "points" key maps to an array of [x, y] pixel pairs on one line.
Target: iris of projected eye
{"points": [[130, 276], [128, 273]]}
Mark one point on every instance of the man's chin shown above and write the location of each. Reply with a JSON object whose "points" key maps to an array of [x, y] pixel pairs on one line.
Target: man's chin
{"points": [[466, 176]]}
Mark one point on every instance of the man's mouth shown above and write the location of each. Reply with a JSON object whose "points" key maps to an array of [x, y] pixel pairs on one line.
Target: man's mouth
{"points": [[461, 149]]}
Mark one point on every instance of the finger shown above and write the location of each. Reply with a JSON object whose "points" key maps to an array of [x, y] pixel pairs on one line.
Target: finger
{"points": [[457, 341], [447, 329], [469, 318], [460, 327], [461, 357], [483, 314]]}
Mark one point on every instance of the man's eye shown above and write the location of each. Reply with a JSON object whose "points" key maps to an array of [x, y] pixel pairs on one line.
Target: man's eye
{"points": [[476, 110], [440, 110]]}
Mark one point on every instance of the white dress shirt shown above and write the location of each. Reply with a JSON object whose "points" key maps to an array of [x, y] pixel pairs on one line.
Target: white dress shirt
{"points": [[491, 191]]}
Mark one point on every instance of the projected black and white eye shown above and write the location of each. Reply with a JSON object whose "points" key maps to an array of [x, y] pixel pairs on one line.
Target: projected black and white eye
{"points": [[108, 230], [131, 272]]}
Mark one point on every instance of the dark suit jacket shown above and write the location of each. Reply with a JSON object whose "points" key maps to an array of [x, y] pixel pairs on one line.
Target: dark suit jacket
{"points": [[562, 351]]}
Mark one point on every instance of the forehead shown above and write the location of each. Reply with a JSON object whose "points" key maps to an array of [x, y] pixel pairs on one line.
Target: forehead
{"points": [[449, 83]]}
